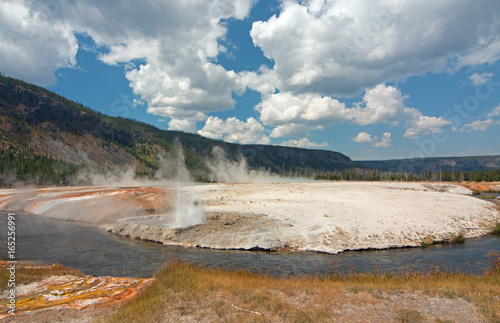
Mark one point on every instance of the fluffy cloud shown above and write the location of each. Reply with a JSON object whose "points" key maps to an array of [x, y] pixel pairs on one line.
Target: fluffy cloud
{"points": [[382, 104], [264, 80], [303, 143], [293, 130], [424, 125], [179, 78], [326, 47], [480, 79], [298, 114], [363, 138], [188, 124], [339, 48], [33, 44], [179, 96], [176, 41], [385, 142], [321, 50], [234, 130], [284, 108], [479, 125]]}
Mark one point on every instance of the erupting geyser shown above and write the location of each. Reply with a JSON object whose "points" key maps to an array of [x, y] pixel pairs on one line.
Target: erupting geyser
{"points": [[188, 210], [184, 210], [187, 206]]}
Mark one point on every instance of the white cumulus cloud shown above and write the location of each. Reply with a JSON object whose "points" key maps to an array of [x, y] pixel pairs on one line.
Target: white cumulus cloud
{"points": [[382, 104], [176, 43], [339, 48], [363, 138], [33, 45], [188, 124], [322, 51], [298, 114], [385, 142], [424, 125], [293, 130], [284, 108], [234, 130], [304, 143]]}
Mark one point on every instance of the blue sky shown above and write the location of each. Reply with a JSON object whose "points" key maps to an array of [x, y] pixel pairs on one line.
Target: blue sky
{"points": [[370, 79]]}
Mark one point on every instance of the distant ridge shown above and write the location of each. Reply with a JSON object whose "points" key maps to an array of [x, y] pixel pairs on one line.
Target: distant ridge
{"points": [[417, 165]]}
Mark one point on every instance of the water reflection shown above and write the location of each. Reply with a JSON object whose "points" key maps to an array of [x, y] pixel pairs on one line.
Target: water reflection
{"points": [[96, 252]]}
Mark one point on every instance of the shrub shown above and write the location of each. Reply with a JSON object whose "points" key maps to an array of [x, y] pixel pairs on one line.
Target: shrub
{"points": [[409, 316], [494, 258], [496, 229], [429, 240], [459, 238]]}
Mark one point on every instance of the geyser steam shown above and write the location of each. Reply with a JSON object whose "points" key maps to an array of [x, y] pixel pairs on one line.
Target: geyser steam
{"points": [[188, 209], [227, 171]]}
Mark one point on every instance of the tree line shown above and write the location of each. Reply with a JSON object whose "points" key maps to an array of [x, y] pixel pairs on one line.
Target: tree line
{"points": [[360, 174], [23, 165]]}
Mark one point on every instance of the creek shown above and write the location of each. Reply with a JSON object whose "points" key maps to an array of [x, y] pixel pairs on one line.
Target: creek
{"points": [[96, 252]]}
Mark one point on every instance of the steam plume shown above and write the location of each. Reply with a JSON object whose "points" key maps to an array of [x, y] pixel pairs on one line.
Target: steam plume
{"points": [[227, 171]]}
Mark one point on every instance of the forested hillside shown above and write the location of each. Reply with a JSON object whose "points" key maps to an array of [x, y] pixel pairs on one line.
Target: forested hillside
{"points": [[45, 138]]}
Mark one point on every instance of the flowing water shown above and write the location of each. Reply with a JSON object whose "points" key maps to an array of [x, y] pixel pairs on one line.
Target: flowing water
{"points": [[96, 252]]}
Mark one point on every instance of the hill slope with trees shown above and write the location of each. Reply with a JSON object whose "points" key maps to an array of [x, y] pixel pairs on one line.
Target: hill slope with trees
{"points": [[46, 138]]}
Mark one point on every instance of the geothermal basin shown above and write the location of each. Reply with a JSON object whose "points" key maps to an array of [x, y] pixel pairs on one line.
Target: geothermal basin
{"points": [[325, 217], [328, 217]]}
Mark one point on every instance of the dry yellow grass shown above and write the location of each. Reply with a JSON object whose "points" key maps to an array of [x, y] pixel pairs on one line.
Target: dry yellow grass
{"points": [[183, 291], [27, 273]]}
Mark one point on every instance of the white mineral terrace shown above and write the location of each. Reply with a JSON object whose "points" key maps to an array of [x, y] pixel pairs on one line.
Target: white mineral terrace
{"points": [[333, 217], [325, 217]]}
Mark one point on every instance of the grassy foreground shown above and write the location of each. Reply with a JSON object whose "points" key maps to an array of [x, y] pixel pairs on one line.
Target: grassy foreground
{"points": [[183, 291], [28, 273]]}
